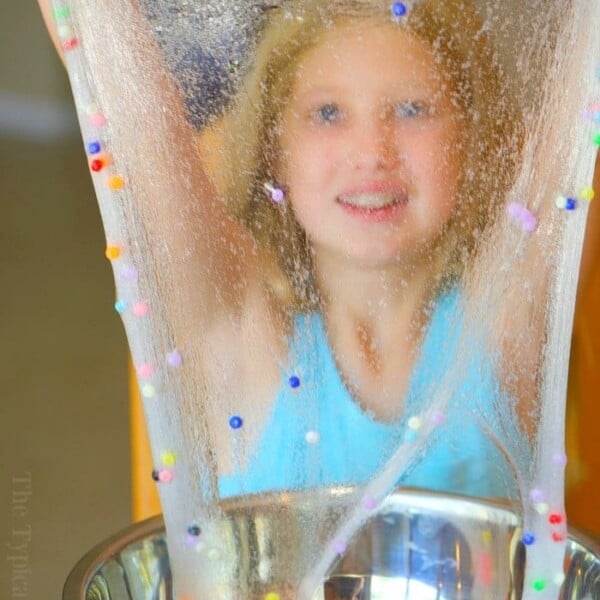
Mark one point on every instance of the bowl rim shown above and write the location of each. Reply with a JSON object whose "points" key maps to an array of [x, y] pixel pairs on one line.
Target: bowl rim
{"points": [[88, 565]]}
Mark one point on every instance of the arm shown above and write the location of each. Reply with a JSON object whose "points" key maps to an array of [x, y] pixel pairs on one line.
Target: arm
{"points": [[170, 185]]}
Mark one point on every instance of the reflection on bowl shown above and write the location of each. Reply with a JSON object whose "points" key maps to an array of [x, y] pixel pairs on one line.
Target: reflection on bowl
{"points": [[420, 546]]}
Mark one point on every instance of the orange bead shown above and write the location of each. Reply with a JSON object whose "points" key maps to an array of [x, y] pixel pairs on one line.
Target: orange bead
{"points": [[116, 182], [112, 252]]}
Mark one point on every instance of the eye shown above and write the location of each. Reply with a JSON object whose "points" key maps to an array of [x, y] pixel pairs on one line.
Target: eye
{"points": [[411, 109], [328, 113]]}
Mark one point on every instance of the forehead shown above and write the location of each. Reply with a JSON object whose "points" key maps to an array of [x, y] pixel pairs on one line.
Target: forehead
{"points": [[369, 55]]}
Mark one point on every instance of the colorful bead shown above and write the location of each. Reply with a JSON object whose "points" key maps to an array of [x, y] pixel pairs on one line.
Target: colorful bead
{"points": [[275, 193], [588, 194], [174, 359], [523, 215], [97, 119], [571, 204], [116, 183], [97, 165], [369, 503], [236, 422], [165, 476], [398, 9], [94, 147], [129, 273], [194, 530], [437, 418], [561, 202], [145, 370], [168, 458], [560, 459], [148, 391], [272, 596], [140, 309], [415, 423], [294, 382], [528, 539], [340, 547], [555, 518], [112, 252], [558, 537], [486, 536], [213, 554], [312, 437], [69, 44], [61, 13], [596, 139], [65, 32], [121, 306], [537, 495], [539, 585]]}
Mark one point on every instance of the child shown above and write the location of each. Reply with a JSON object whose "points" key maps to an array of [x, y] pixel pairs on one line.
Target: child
{"points": [[365, 155]]}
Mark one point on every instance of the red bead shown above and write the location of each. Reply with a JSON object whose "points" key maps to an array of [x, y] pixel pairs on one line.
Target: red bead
{"points": [[96, 165], [558, 537], [555, 519], [70, 44]]}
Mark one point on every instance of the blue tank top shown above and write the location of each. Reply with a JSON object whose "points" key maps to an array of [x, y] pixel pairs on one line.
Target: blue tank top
{"points": [[317, 435]]}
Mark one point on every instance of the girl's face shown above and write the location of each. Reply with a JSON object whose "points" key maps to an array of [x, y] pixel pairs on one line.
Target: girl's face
{"points": [[371, 145]]}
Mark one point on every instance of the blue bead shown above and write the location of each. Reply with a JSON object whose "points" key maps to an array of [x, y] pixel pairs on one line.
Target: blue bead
{"points": [[235, 422], [94, 147], [120, 306], [528, 539], [571, 204], [294, 382], [398, 9]]}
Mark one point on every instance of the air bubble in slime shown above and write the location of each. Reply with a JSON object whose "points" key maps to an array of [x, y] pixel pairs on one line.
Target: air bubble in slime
{"points": [[400, 314]]}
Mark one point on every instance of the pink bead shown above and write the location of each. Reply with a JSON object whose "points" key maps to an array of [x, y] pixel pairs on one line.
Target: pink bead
{"points": [[145, 370], [165, 476], [523, 215], [174, 359], [140, 309], [98, 120]]}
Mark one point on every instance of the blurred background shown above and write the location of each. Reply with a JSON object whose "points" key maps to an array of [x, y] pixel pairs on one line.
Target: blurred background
{"points": [[65, 454], [64, 459]]}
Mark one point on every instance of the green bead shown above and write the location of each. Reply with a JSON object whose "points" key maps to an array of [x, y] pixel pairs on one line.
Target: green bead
{"points": [[539, 585], [62, 13], [597, 138]]}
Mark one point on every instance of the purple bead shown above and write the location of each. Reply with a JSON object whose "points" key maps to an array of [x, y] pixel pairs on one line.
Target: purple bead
{"points": [[340, 547], [129, 273], [174, 359], [277, 195]]}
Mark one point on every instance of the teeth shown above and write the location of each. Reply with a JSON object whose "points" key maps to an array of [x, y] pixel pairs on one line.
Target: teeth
{"points": [[371, 200]]}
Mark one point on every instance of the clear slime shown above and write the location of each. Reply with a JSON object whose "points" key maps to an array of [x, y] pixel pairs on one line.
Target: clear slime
{"points": [[345, 238]]}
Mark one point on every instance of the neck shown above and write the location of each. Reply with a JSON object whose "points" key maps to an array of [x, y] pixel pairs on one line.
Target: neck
{"points": [[378, 297]]}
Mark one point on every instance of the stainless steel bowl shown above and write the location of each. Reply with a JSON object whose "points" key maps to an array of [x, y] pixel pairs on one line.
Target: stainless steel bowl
{"points": [[418, 546]]}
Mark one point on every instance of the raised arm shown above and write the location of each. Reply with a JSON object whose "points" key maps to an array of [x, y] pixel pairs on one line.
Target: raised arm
{"points": [[174, 198]]}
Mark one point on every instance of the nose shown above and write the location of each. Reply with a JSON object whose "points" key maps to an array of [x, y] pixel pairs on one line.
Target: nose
{"points": [[373, 145]]}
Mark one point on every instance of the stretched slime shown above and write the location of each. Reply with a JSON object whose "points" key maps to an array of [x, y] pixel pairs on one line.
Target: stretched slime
{"points": [[346, 239]]}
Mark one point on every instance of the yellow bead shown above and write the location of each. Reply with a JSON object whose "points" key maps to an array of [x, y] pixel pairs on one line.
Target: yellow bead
{"points": [[112, 252], [168, 459], [588, 194], [272, 596], [116, 183], [486, 536]]}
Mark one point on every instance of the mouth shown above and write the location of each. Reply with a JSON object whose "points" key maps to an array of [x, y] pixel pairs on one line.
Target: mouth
{"points": [[373, 200]]}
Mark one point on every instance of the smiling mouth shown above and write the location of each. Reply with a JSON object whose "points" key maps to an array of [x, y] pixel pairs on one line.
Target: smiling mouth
{"points": [[373, 201]]}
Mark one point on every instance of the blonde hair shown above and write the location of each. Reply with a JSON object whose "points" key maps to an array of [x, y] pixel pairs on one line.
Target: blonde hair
{"points": [[490, 138]]}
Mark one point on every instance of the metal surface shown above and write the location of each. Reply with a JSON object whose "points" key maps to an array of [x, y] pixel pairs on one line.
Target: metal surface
{"points": [[418, 546]]}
